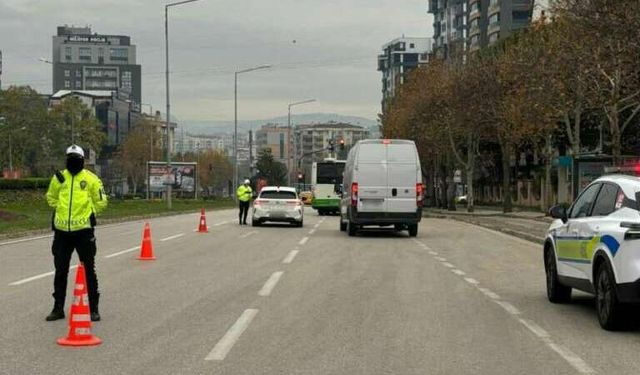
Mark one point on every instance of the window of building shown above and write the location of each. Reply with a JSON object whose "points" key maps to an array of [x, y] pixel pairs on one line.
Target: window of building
{"points": [[119, 54], [78, 74], [474, 23], [521, 15], [494, 19], [493, 2], [475, 40], [67, 73], [67, 84], [67, 53], [475, 7], [78, 84], [126, 81], [84, 53], [412, 45]]}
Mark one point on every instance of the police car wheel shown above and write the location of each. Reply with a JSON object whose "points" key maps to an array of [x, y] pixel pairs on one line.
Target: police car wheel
{"points": [[556, 292], [607, 305], [343, 225]]}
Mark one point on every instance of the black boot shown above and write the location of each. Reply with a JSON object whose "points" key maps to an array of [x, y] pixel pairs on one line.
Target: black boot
{"points": [[93, 306], [57, 313]]}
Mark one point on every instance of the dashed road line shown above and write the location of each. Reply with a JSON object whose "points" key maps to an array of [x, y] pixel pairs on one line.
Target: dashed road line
{"points": [[25, 240], [458, 272], [122, 252], [312, 231], [222, 348], [433, 253], [576, 362], [172, 237], [303, 241], [448, 265], [37, 277], [508, 307], [290, 257], [249, 234], [270, 284], [489, 293], [535, 328], [441, 259], [221, 223], [471, 281]]}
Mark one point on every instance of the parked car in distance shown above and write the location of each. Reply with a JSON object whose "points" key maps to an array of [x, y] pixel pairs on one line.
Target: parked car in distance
{"points": [[382, 186], [306, 197]]}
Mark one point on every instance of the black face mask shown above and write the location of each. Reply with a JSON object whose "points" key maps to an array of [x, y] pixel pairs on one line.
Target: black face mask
{"points": [[75, 165]]}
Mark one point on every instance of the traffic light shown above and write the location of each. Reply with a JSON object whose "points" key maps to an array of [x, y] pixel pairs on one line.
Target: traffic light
{"points": [[342, 145], [300, 178], [331, 146]]}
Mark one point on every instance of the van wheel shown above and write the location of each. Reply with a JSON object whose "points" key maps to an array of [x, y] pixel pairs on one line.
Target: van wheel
{"points": [[413, 230], [607, 304], [352, 229], [343, 225], [398, 227], [556, 292]]}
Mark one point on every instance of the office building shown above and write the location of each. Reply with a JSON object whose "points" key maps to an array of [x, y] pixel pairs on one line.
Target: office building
{"points": [[311, 142], [83, 60], [399, 57], [275, 138]]}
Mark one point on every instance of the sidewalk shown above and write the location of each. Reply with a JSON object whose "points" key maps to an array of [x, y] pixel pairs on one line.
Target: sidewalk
{"points": [[528, 225]]}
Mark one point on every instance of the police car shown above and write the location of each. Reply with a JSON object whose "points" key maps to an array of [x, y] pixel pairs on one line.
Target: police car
{"points": [[594, 246]]}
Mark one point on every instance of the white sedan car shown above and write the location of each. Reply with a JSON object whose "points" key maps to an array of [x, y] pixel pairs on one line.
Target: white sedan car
{"points": [[278, 204], [594, 246]]}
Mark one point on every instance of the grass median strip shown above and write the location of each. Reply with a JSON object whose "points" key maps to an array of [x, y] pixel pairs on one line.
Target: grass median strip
{"points": [[34, 215]]}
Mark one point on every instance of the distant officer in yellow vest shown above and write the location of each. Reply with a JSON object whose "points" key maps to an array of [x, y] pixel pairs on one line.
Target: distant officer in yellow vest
{"points": [[244, 195], [76, 195]]}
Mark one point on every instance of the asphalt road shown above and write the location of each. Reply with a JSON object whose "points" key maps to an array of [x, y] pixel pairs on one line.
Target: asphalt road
{"points": [[459, 299]]}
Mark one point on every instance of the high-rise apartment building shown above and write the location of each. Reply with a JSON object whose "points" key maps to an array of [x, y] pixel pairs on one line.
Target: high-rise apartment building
{"points": [[399, 57], [86, 61], [275, 138], [449, 27]]}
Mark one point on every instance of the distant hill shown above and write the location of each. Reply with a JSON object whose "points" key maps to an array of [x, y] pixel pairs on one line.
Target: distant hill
{"points": [[213, 127]]}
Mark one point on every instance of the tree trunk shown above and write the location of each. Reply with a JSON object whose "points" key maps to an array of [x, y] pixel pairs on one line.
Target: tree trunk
{"points": [[547, 201], [614, 125], [507, 205], [470, 168]]}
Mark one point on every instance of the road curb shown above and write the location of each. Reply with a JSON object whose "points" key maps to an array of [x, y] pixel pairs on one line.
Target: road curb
{"points": [[511, 232]]}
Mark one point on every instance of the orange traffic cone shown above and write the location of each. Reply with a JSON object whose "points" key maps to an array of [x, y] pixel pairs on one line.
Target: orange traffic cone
{"points": [[146, 250], [80, 316], [202, 228]]}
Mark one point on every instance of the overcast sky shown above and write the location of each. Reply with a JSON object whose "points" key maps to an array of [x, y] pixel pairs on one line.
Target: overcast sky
{"points": [[333, 58]]}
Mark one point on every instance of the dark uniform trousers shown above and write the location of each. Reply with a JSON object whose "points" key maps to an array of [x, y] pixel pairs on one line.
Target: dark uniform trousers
{"points": [[84, 242], [244, 210]]}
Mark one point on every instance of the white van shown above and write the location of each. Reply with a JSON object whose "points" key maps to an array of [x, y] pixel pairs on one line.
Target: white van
{"points": [[382, 186]]}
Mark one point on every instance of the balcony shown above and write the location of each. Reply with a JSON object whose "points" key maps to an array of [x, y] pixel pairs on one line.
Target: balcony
{"points": [[493, 28], [474, 30], [494, 8], [474, 14]]}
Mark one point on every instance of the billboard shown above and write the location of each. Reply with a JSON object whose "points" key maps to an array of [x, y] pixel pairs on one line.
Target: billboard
{"points": [[181, 176]]}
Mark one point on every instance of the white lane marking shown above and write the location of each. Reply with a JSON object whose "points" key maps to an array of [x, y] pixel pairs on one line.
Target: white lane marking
{"points": [[249, 234], [578, 363], [270, 284], [290, 257], [222, 348], [25, 240], [221, 223], [471, 281], [535, 328], [37, 277], [458, 272], [449, 265], [441, 259], [508, 307], [172, 237], [122, 252], [303, 241], [489, 293], [433, 253], [502, 234], [312, 231]]}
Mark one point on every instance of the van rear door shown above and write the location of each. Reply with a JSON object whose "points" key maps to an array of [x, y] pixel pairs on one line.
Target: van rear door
{"points": [[403, 171], [371, 175]]}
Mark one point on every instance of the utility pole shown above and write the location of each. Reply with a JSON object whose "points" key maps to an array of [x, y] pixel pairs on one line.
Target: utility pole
{"points": [[250, 153]]}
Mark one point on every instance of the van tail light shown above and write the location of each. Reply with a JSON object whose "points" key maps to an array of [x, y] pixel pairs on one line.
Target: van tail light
{"points": [[354, 194], [419, 194]]}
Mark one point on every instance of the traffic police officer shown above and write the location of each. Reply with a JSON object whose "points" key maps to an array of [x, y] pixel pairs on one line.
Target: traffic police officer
{"points": [[76, 195], [244, 194]]}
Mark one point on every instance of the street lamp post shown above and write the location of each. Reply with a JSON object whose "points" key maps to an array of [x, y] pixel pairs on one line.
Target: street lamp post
{"points": [[168, 119], [290, 146], [235, 122]]}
